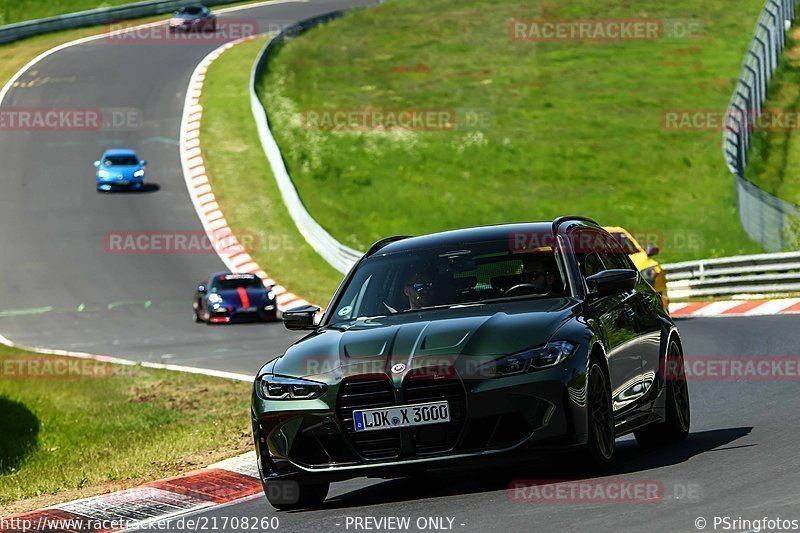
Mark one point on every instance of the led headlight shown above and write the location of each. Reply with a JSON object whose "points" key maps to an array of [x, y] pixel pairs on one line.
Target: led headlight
{"points": [[271, 295], [283, 388], [138, 173], [650, 274], [214, 298], [103, 174], [545, 356]]}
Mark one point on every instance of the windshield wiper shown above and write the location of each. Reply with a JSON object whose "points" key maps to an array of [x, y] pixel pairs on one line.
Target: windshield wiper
{"points": [[520, 297]]}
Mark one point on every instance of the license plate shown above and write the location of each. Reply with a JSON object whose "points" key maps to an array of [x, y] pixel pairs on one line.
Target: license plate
{"points": [[420, 414], [123, 182], [247, 310]]}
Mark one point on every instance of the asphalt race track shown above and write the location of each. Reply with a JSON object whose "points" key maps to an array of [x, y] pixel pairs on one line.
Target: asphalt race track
{"points": [[740, 460], [62, 289]]}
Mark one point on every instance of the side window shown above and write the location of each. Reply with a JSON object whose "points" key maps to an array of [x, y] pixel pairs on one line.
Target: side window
{"points": [[613, 256], [588, 246]]}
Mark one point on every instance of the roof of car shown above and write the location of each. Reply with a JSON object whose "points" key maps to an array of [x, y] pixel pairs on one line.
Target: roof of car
{"points": [[119, 151], [242, 275], [467, 235]]}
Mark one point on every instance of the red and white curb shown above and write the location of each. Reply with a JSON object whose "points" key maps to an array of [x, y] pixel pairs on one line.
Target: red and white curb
{"points": [[229, 248], [786, 306], [157, 501]]}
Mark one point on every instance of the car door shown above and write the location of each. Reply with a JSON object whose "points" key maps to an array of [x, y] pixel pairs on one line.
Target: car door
{"points": [[644, 301], [617, 320]]}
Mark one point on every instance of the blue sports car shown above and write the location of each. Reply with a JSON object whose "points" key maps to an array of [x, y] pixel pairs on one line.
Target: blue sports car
{"points": [[119, 170], [228, 297]]}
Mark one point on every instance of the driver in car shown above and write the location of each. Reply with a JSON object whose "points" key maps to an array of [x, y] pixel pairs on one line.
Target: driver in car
{"points": [[537, 270], [419, 289]]}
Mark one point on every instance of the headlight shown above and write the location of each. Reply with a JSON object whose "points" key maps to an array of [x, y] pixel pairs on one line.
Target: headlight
{"points": [[282, 388], [138, 173], [650, 274], [271, 295], [214, 298], [545, 356], [103, 174]]}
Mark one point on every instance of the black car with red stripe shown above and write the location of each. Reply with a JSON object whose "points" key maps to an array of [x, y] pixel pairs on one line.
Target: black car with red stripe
{"points": [[228, 297]]}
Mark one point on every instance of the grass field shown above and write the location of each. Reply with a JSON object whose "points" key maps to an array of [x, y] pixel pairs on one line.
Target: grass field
{"points": [[775, 152], [69, 433], [12, 11], [20, 10], [566, 127], [244, 185]]}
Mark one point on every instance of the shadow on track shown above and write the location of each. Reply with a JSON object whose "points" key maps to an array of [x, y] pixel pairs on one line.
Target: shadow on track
{"points": [[146, 188], [20, 429], [560, 466]]}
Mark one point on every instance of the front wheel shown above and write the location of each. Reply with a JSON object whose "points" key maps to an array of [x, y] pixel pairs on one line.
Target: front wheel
{"points": [[291, 495], [675, 427], [601, 446]]}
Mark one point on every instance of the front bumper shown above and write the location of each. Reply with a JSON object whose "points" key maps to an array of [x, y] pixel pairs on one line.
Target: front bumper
{"points": [[314, 439], [115, 185], [191, 26], [268, 314]]}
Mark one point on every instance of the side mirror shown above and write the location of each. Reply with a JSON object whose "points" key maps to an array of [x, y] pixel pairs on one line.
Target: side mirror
{"points": [[143, 162], [652, 250], [97, 164], [201, 287], [610, 282], [300, 318]]}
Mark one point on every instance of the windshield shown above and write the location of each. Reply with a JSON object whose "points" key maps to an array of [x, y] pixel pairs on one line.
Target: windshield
{"points": [[189, 11], [228, 283], [626, 243], [121, 161], [428, 278]]}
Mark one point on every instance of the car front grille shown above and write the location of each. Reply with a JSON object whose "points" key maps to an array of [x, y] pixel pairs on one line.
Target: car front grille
{"points": [[368, 394], [437, 437], [386, 444]]}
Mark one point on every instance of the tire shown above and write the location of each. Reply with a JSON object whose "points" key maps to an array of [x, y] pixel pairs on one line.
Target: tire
{"points": [[303, 495], [675, 427], [600, 449]]}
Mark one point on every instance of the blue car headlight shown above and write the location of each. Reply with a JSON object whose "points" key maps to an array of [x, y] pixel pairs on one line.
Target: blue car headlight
{"points": [[284, 388], [139, 173], [545, 356], [104, 174]]}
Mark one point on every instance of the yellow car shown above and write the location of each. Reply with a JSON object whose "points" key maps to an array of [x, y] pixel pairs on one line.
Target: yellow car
{"points": [[643, 259]]}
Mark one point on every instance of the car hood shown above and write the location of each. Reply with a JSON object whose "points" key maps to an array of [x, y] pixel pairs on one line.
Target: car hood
{"points": [[234, 296], [424, 339]]}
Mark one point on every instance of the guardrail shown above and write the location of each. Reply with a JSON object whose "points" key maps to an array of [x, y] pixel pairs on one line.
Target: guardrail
{"points": [[766, 218], [93, 17], [338, 255], [747, 276]]}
